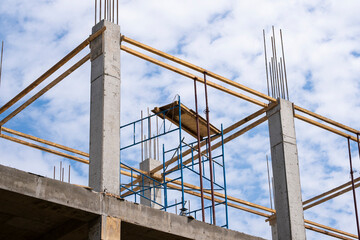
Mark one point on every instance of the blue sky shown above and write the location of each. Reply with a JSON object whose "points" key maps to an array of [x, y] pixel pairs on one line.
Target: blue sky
{"points": [[321, 40]]}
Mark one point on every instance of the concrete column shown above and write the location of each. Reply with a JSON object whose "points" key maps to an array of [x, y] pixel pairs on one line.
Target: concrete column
{"points": [[104, 169], [105, 228], [154, 193], [288, 202]]}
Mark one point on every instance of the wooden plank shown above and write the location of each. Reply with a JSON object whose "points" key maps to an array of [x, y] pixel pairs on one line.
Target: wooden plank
{"points": [[339, 125], [20, 134], [330, 129], [44, 149], [330, 228], [330, 197], [51, 70], [220, 200], [244, 208], [192, 76], [327, 233], [188, 119], [225, 131], [330, 191], [226, 140], [45, 89], [230, 82], [197, 68]]}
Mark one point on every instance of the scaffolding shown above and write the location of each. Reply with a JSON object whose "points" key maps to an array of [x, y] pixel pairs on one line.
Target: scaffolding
{"points": [[177, 177]]}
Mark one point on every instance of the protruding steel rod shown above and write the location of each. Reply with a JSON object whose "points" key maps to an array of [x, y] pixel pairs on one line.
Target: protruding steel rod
{"points": [[157, 139], [100, 10], [281, 79], [267, 74], [283, 57], [353, 188], [209, 149], [95, 10], [149, 129], [113, 11], [275, 62], [60, 170], [54, 172], [199, 154], [271, 81], [142, 132], [117, 12], [268, 171], [69, 172]]}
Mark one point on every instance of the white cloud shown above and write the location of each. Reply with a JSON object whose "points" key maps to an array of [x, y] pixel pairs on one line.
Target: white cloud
{"points": [[222, 36]]}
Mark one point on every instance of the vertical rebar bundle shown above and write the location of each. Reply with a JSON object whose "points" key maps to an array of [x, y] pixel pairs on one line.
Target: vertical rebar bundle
{"points": [[108, 10], [276, 77]]}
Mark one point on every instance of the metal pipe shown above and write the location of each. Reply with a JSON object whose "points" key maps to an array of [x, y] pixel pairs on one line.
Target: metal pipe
{"points": [[113, 11], [276, 61], [209, 146], [268, 171], [100, 10], [157, 139], [199, 154], [281, 79], [117, 12], [149, 126], [267, 75], [271, 80], [283, 54], [142, 132], [353, 188], [105, 1]]}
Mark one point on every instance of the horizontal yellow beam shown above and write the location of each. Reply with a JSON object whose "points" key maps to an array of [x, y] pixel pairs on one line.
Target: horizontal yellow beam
{"points": [[20, 134], [51, 70]]}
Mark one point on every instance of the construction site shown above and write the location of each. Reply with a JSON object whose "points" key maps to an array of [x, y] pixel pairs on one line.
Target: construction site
{"points": [[163, 175]]}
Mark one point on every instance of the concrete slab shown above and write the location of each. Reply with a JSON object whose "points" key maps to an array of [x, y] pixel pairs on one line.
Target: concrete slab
{"points": [[35, 207]]}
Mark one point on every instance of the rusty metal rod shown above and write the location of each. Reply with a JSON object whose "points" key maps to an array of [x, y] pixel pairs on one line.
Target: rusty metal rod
{"points": [[199, 154], [353, 188], [267, 74], [283, 57], [209, 148]]}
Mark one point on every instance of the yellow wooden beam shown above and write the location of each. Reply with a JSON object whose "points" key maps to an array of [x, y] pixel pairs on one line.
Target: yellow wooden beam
{"points": [[51, 70], [20, 134], [45, 89], [44, 149]]}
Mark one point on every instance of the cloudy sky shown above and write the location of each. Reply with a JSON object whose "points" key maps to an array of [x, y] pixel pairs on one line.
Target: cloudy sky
{"points": [[322, 47]]}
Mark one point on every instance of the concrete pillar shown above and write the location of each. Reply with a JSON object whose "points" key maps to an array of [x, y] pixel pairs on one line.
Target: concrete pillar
{"points": [[154, 193], [288, 202], [105, 228], [104, 169]]}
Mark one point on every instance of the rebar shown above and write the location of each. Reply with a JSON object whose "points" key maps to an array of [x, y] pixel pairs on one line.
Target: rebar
{"points": [[267, 75], [353, 188], [283, 57], [199, 154], [209, 148]]}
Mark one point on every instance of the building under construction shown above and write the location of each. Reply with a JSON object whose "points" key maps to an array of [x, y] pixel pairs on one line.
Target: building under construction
{"points": [[176, 190]]}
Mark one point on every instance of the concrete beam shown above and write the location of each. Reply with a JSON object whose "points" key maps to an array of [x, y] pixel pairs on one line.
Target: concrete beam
{"points": [[288, 201], [73, 198], [104, 168]]}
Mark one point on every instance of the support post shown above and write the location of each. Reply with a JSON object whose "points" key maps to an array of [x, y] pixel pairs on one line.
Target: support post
{"points": [[104, 167], [288, 201], [153, 191], [105, 228]]}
